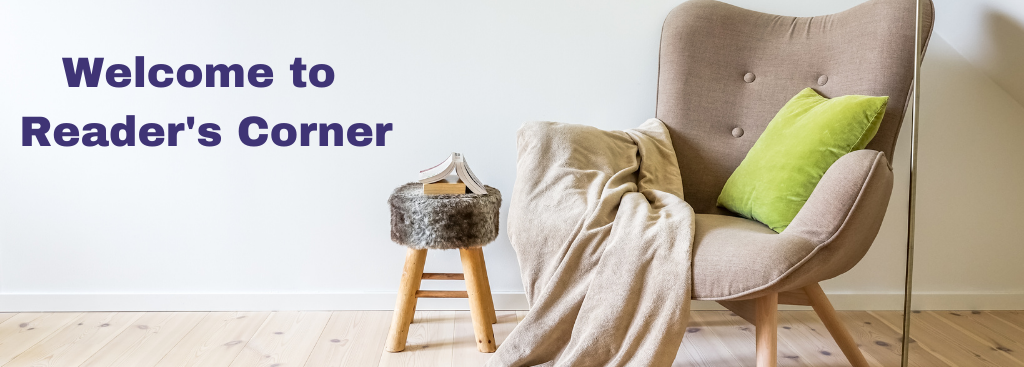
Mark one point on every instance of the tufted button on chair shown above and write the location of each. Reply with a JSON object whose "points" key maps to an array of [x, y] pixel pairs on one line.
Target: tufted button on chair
{"points": [[724, 73]]}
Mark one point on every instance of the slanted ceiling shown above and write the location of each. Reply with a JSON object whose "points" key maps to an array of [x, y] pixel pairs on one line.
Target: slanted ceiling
{"points": [[990, 35]]}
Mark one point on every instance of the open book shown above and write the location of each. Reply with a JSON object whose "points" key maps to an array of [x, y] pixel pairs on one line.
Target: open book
{"points": [[455, 162]]}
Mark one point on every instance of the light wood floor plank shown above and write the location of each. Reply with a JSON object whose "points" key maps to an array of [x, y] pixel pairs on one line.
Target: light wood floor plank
{"points": [[445, 338], [809, 326], [77, 341], [24, 330], [148, 340], [1012, 317], [791, 352], [688, 354], [215, 341], [886, 329], [986, 347], [286, 339], [1006, 338], [874, 337], [808, 338], [737, 337], [1006, 318], [708, 348], [6, 315], [464, 350], [351, 338], [429, 344], [954, 348]]}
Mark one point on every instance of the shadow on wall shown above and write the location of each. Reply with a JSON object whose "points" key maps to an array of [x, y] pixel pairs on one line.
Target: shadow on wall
{"points": [[1004, 60]]}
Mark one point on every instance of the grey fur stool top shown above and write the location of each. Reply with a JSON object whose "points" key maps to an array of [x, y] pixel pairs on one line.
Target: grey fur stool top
{"points": [[465, 222], [443, 222]]}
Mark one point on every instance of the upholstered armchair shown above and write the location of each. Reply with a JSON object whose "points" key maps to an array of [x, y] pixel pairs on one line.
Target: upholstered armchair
{"points": [[724, 73]]}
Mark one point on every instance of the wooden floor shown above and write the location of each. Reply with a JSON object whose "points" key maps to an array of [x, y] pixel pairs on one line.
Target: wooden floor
{"points": [[445, 338]]}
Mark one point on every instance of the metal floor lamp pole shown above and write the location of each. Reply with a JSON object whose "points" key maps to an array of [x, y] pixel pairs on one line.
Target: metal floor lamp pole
{"points": [[911, 218]]}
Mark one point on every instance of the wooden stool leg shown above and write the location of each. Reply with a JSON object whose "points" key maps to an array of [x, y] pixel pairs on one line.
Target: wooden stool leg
{"points": [[405, 307], [412, 314], [834, 325], [474, 271], [766, 325], [487, 289]]}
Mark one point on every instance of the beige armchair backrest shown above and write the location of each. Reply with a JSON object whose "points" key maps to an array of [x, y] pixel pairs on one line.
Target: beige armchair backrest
{"points": [[726, 71]]}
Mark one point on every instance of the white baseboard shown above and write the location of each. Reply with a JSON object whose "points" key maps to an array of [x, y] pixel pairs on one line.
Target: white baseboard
{"points": [[386, 301]]}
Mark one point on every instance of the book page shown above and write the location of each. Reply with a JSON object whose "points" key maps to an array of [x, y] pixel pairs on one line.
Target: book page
{"points": [[439, 171], [467, 176]]}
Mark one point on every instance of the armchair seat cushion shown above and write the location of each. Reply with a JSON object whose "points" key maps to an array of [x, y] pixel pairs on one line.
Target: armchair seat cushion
{"points": [[734, 256]]}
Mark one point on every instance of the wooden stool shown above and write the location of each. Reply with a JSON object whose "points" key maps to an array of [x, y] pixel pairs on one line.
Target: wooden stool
{"points": [[444, 222], [478, 291]]}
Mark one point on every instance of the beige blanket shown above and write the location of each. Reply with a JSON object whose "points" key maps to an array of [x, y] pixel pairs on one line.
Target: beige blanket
{"points": [[604, 240]]}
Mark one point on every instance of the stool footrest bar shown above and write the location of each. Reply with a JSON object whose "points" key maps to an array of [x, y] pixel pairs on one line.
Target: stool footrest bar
{"points": [[444, 276], [442, 294]]}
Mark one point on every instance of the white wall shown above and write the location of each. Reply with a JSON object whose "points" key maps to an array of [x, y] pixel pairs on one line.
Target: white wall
{"points": [[971, 158], [990, 35], [234, 227]]}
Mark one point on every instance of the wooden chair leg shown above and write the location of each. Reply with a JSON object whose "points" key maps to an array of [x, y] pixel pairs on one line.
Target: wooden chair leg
{"points": [[487, 289], [835, 326], [766, 324], [473, 268], [405, 307]]}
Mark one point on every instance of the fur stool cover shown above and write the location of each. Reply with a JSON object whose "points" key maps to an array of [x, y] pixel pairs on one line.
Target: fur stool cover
{"points": [[443, 222]]}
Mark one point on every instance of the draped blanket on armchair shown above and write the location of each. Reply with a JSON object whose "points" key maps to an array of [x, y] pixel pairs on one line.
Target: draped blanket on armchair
{"points": [[604, 240]]}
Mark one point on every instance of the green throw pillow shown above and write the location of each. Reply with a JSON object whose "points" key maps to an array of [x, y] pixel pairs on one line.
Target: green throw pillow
{"points": [[803, 140]]}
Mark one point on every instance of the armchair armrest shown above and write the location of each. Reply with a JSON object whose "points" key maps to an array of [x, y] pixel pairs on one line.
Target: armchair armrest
{"points": [[843, 215], [843, 195]]}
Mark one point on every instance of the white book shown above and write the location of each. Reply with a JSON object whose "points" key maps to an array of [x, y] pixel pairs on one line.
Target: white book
{"points": [[455, 162]]}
